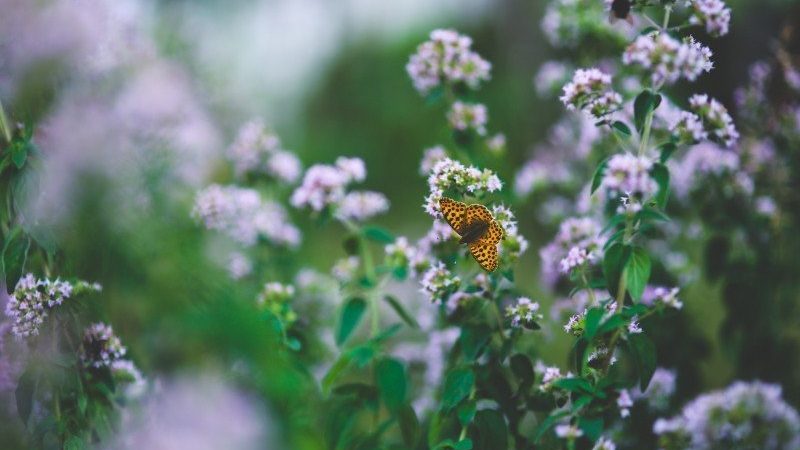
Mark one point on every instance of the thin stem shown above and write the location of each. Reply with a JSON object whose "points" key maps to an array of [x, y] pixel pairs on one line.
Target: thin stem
{"points": [[4, 124], [589, 289], [667, 12], [465, 427], [648, 123]]}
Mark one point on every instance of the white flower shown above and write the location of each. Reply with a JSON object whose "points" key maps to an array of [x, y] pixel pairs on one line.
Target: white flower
{"points": [[714, 14], [590, 91], [716, 120], [100, 347], [575, 324], [468, 116], [624, 403], [630, 175], [604, 444], [524, 312], [239, 265], [446, 58], [284, 166], [449, 174], [572, 232], [699, 162], [438, 282], [658, 294], [550, 77], [345, 269], [256, 149], [566, 431], [362, 205], [633, 327], [576, 257], [322, 186], [352, 167], [667, 58], [689, 127], [430, 157]]}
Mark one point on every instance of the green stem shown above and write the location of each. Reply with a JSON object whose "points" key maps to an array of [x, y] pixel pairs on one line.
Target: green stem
{"points": [[4, 124], [648, 123], [589, 289], [464, 428], [667, 12]]}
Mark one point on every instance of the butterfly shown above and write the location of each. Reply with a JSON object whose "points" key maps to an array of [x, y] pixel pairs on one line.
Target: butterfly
{"points": [[477, 228]]}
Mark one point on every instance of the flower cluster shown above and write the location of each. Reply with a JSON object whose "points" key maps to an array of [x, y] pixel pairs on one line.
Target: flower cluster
{"points": [[524, 313], [244, 216], [744, 415], [399, 254], [714, 14], [629, 175], [659, 295], [513, 244], [28, 305], [567, 23], [100, 347], [466, 117], [689, 127], [430, 157], [667, 58], [438, 282], [550, 78], [325, 186], [590, 91], [583, 233], [450, 175], [447, 58], [716, 120], [704, 160], [276, 298], [258, 150]]}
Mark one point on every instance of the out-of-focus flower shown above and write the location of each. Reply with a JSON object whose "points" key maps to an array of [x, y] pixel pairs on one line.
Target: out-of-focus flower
{"points": [[438, 282], [624, 403], [100, 347], [258, 150], [654, 295], [701, 161], [573, 232], [128, 378], [346, 269], [667, 58], [449, 174], [744, 415], [446, 58], [604, 443], [550, 78], [432, 353], [568, 431], [714, 14], [590, 91], [200, 414], [629, 175], [243, 215], [467, 117], [399, 254], [497, 143], [549, 375], [276, 298], [716, 120], [354, 168], [766, 206], [430, 157], [28, 305], [689, 127], [576, 257], [513, 244], [239, 265], [660, 389], [362, 205], [523, 313]]}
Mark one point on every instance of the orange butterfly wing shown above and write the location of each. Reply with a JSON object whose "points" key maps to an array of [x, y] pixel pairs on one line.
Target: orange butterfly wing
{"points": [[453, 212], [484, 250]]}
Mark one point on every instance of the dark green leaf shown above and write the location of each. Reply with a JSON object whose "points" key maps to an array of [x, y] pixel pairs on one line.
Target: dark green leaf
{"points": [[574, 385], [466, 412], [637, 272], [336, 369], [592, 320], [597, 178], [351, 315], [14, 256], [74, 443], [651, 214], [409, 425], [473, 339], [547, 423], [667, 149], [621, 129], [661, 174], [492, 429], [592, 427], [398, 308], [378, 234], [391, 380], [465, 444], [351, 245], [610, 324], [19, 153], [614, 261], [644, 352], [457, 387], [645, 103]]}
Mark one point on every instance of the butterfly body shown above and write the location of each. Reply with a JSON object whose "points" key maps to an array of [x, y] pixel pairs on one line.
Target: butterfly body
{"points": [[477, 228], [472, 231]]}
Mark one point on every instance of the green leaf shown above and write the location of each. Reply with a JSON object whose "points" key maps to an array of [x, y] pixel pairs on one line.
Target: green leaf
{"points": [[644, 353], [378, 234], [610, 324], [14, 256], [409, 425], [660, 173], [574, 385], [592, 427], [351, 315], [457, 387], [637, 272], [651, 214], [74, 443], [391, 380], [592, 321], [548, 423], [473, 340], [26, 387], [19, 153], [465, 444], [645, 103], [614, 261], [621, 129], [597, 178], [466, 412], [667, 149], [336, 369], [492, 429], [398, 308]]}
